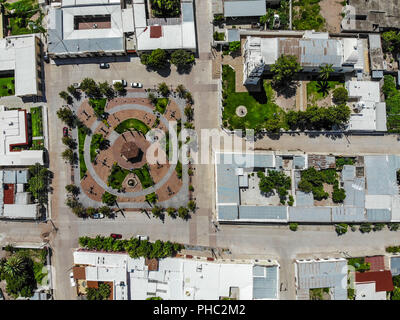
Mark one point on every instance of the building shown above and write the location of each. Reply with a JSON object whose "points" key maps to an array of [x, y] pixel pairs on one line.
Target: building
{"points": [[373, 285], [168, 33], [370, 16], [368, 111], [377, 63], [372, 192], [14, 134], [395, 265], [321, 273], [79, 28], [312, 51], [241, 8], [184, 278], [20, 57], [15, 201]]}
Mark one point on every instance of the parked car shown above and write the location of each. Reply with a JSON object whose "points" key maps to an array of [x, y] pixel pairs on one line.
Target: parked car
{"points": [[116, 235], [142, 238], [65, 132], [76, 85], [124, 83], [98, 216], [46, 58], [104, 65], [72, 280], [136, 85]]}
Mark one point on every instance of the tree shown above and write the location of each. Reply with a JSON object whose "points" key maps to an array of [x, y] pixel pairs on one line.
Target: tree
{"points": [[365, 227], [151, 198], [189, 113], [234, 46], [73, 91], [165, 8], [66, 115], [338, 195], [157, 59], [393, 226], [268, 19], [152, 97], [284, 69], [65, 96], [101, 293], [171, 212], [107, 211], [182, 59], [192, 205], [325, 71], [163, 89], [181, 90], [183, 213], [90, 87], [341, 228], [340, 95], [68, 155], [106, 90], [108, 198], [378, 226], [157, 211], [72, 189], [69, 142], [189, 98], [119, 87], [38, 182]]}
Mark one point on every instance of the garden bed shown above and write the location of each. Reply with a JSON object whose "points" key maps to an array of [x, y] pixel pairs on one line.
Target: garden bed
{"points": [[7, 86], [98, 106], [132, 124], [117, 176], [81, 144], [144, 176], [37, 121], [161, 105]]}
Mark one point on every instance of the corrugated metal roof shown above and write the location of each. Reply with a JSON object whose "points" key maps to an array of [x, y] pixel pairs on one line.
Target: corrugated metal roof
{"points": [[233, 35], [355, 192], [379, 215], [299, 162], [263, 212], [380, 171], [347, 214], [264, 161], [381, 116], [245, 8], [348, 172], [313, 214], [187, 12], [316, 52], [265, 282], [304, 199], [228, 212]]}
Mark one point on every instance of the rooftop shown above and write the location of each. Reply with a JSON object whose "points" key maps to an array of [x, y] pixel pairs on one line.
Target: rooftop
{"points": [[244, 8], [383, 279]]}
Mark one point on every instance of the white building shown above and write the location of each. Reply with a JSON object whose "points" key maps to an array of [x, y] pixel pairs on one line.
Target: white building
{"points": [[368, 111], [21, 57], [14, 133], [312, 51], [178, 278], [167, 34]]}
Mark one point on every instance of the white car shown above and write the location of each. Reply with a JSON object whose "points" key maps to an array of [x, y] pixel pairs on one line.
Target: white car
{"points": [[142, 238], [72, 280], [136, 85], [124, 83]]}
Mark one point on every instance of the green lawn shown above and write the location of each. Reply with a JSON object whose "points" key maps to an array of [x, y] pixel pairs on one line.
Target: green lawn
{"points": [[98, 105], [37, 121], [161, 105], [260, 106], [97, 139], [81, 143], [144, 176], [132, 124], [117, 176], [318, 90], [7, 86], [178, 169]]}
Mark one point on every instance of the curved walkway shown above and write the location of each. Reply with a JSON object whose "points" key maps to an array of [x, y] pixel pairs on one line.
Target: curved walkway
{"points": [[99, 181]]}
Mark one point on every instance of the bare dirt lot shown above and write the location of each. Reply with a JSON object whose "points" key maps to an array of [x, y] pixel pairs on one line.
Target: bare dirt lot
{"points": [[331, 10]]}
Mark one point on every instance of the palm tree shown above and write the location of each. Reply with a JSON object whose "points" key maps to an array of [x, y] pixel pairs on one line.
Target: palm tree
{"points": [[14, 265], [325, 71]]}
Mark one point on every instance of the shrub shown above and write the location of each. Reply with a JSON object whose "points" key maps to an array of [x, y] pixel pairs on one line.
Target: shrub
{"points": [[341, 228], [293, 226], [340, 95], [378, 226], [365, 227]]}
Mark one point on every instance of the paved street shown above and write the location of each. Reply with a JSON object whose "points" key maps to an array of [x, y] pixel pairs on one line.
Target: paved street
{"points": [[276, 242]]}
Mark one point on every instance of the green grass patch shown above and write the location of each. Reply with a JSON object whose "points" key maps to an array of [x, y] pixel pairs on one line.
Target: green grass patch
{"points": [[260, 106], [117, 176], [144, 176], [134, 124], [37, 121], [81, 144], [98, 106], [97, 140], [161, 105], [307, 15], [7, 86], [318, 90], [178, 169]]}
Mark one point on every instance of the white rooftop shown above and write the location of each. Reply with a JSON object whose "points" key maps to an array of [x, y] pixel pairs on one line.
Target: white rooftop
{"points": [[20, 211], [367, 291], [13, 132], [18, 54]]}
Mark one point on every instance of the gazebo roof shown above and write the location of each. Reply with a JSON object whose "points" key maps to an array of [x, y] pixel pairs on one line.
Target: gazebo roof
{"points": [[130, 150]]}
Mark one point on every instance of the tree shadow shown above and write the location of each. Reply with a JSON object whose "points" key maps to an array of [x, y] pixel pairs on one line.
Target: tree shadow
{"points": [[287, 90]]}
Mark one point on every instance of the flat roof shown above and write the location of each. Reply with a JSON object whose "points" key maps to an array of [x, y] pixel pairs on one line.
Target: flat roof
{"points": [[245, 8]]}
